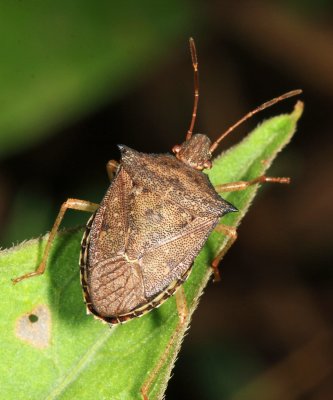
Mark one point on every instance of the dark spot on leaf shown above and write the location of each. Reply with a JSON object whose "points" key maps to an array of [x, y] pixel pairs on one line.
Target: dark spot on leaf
{"points": [[34, 327], [33, 318]]}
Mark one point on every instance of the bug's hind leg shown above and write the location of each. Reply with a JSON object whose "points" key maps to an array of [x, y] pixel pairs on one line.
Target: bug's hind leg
{"points": [[229, 231], [183, 314], [74, 204], [111, 168], [231, 234]]}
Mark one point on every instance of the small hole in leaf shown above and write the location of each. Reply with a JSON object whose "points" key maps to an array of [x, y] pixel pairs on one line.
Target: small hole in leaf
{"points": [[33, 318]]}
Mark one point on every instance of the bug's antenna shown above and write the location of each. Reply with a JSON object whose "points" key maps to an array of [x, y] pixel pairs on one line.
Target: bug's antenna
{"points": [[196, 87], [253, 112]]}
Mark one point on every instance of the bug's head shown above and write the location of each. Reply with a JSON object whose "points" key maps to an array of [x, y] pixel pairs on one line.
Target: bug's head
{"points": [[195, 152]]}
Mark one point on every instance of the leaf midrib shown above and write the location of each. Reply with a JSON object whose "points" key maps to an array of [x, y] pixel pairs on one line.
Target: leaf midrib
{"points": [[80, 365]]}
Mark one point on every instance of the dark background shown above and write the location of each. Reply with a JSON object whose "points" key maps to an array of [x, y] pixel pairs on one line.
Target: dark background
{"points": [[75, 80]]}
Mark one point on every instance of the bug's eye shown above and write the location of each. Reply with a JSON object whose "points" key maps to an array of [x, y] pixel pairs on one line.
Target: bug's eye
{"points": [[176, 149]]}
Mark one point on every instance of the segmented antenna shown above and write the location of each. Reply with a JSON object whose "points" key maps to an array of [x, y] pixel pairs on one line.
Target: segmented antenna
{"points": [[196, 87], [251, 113]]}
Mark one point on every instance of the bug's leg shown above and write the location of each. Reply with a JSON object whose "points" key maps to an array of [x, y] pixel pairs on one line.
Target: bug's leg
{"points": [[183, 314], [111, 168], [231, 234], [227, 230], [74, 204], [241, 185]]}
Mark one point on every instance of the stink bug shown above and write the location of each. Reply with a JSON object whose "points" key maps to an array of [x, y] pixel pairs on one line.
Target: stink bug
{"points": [[141, 241]]}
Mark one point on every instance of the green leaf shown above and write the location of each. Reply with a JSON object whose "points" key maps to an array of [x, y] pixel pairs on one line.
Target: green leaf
{"points": [[51, 349]]}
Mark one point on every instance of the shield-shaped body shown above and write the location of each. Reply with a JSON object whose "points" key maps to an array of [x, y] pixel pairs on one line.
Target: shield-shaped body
{"points": [[140, 244]]}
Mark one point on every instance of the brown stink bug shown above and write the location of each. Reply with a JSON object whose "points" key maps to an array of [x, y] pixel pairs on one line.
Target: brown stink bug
{"points": [[141, 241]]}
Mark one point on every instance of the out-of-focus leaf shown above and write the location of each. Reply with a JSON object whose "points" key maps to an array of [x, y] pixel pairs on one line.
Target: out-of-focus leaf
{"points": [[62, 58]]}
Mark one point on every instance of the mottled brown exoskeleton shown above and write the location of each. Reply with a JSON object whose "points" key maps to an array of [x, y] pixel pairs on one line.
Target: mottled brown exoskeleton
{"points": [[141, 241]]}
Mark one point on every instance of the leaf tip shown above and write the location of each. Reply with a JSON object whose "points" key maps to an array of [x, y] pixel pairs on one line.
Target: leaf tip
{"points": [[298, 110]]}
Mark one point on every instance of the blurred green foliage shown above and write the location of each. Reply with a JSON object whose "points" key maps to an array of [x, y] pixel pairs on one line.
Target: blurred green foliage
{"points": [[61, 59]]}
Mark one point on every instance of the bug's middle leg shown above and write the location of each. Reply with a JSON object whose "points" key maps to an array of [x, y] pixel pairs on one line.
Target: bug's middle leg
{"points": [[241, 185], [183, 314]]}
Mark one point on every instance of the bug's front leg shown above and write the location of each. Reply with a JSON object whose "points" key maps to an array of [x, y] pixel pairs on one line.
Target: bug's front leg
{"points": [[183, 314], [111, 168], [74, 204]]}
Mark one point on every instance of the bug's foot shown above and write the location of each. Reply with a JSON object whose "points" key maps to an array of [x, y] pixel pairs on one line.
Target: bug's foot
{"points": [[39, 271], [22, 277], [216, 272], [217, 276]]}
